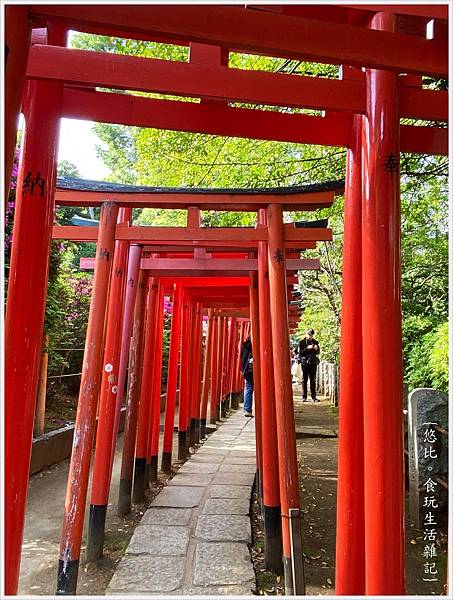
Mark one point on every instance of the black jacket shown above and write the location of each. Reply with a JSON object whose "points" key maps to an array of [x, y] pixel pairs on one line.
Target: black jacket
{"points": [[308, 356], [247, 360]]}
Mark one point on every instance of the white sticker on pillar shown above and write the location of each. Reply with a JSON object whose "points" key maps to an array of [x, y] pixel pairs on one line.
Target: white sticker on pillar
{"points": [[108, 367]]}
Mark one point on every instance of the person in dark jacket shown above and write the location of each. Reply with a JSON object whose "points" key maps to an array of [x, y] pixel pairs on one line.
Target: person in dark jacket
{"points": [[247, 373], [308, 351]]}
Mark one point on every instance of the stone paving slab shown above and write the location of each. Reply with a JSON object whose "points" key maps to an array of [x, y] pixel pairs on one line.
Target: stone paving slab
{"points": [[237, 468], [166, 516], [222, 563], [234, 478], [219, 590], [147, 574], [240, 460], [179, 497], [159, 540], [226, 506], [193, 539], [224, 528], [242, 453], [203, 467], [193, 479], [207, 458], [209, 450], [229, 491]]}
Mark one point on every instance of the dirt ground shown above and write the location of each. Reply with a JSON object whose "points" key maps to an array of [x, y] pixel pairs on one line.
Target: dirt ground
{"points": [[44, 516]]}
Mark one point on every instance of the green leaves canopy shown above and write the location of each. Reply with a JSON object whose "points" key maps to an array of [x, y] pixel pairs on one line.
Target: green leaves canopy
{"points": [[167, 158]]}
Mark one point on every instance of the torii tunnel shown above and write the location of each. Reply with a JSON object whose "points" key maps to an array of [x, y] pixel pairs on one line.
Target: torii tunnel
{"points": [[240, 278]]}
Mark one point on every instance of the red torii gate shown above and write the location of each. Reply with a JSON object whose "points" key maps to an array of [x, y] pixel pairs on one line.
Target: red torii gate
{"points": [[385, 40], [208, 265]]}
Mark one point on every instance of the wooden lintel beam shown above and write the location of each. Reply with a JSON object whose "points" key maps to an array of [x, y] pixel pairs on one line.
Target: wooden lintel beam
{"points": [[116, 71], [212, 201], [239, 313], [195, 268], [217, 246], [126, 109], [433, 11], [265, 33], [156, 265], [191, 236], [215, 119]]}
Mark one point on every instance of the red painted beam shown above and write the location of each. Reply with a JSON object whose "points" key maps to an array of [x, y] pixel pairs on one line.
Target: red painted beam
{"points": [[116, 71], [226, 235], [424, 140], [214, 201], [125, 109], [434, 11], [218, 247], [265, 33], [186, 264]]}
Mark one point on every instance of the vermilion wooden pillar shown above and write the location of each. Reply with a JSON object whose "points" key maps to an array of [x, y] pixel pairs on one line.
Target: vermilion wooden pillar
{"points": [[286, 437], [27, 289], [214, 371], [235, 374], [71, 536], [194, 350], [239, 378], [183, 386], [107, 401], [232, 365], [133, 396], [257, 388], [270, 475], [381, 324], [144, 411], [197, 371], [153, 385], [172, 379], [225, 362], [350, 544], [206, 375], [221, 366], [157, 387], [130, 297], [17, 44]]}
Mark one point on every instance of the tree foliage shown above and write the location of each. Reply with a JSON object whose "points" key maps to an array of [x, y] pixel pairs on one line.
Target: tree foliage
{"points": [[168, 158]]}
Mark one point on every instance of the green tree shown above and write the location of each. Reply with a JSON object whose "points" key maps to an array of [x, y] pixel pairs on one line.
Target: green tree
{"points": [[167, 158]]}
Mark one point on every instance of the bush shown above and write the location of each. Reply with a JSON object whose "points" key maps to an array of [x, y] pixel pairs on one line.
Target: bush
{"points": [[427, 361]]}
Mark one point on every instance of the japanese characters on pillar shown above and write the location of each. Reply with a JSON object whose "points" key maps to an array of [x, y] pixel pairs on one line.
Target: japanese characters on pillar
{"points": [[24, 320], [286, 438], [381, 314], [71, 535]]}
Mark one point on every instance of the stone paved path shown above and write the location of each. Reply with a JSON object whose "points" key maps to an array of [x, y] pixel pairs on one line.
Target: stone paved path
{"points": [[193, 538]]}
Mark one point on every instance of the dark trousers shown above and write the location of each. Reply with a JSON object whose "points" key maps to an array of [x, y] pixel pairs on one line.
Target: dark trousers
{"points": [[309, 371]]}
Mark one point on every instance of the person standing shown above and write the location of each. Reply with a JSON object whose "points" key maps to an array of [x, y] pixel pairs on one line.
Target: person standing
{"points": [[247, 373], [308, 351]]}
